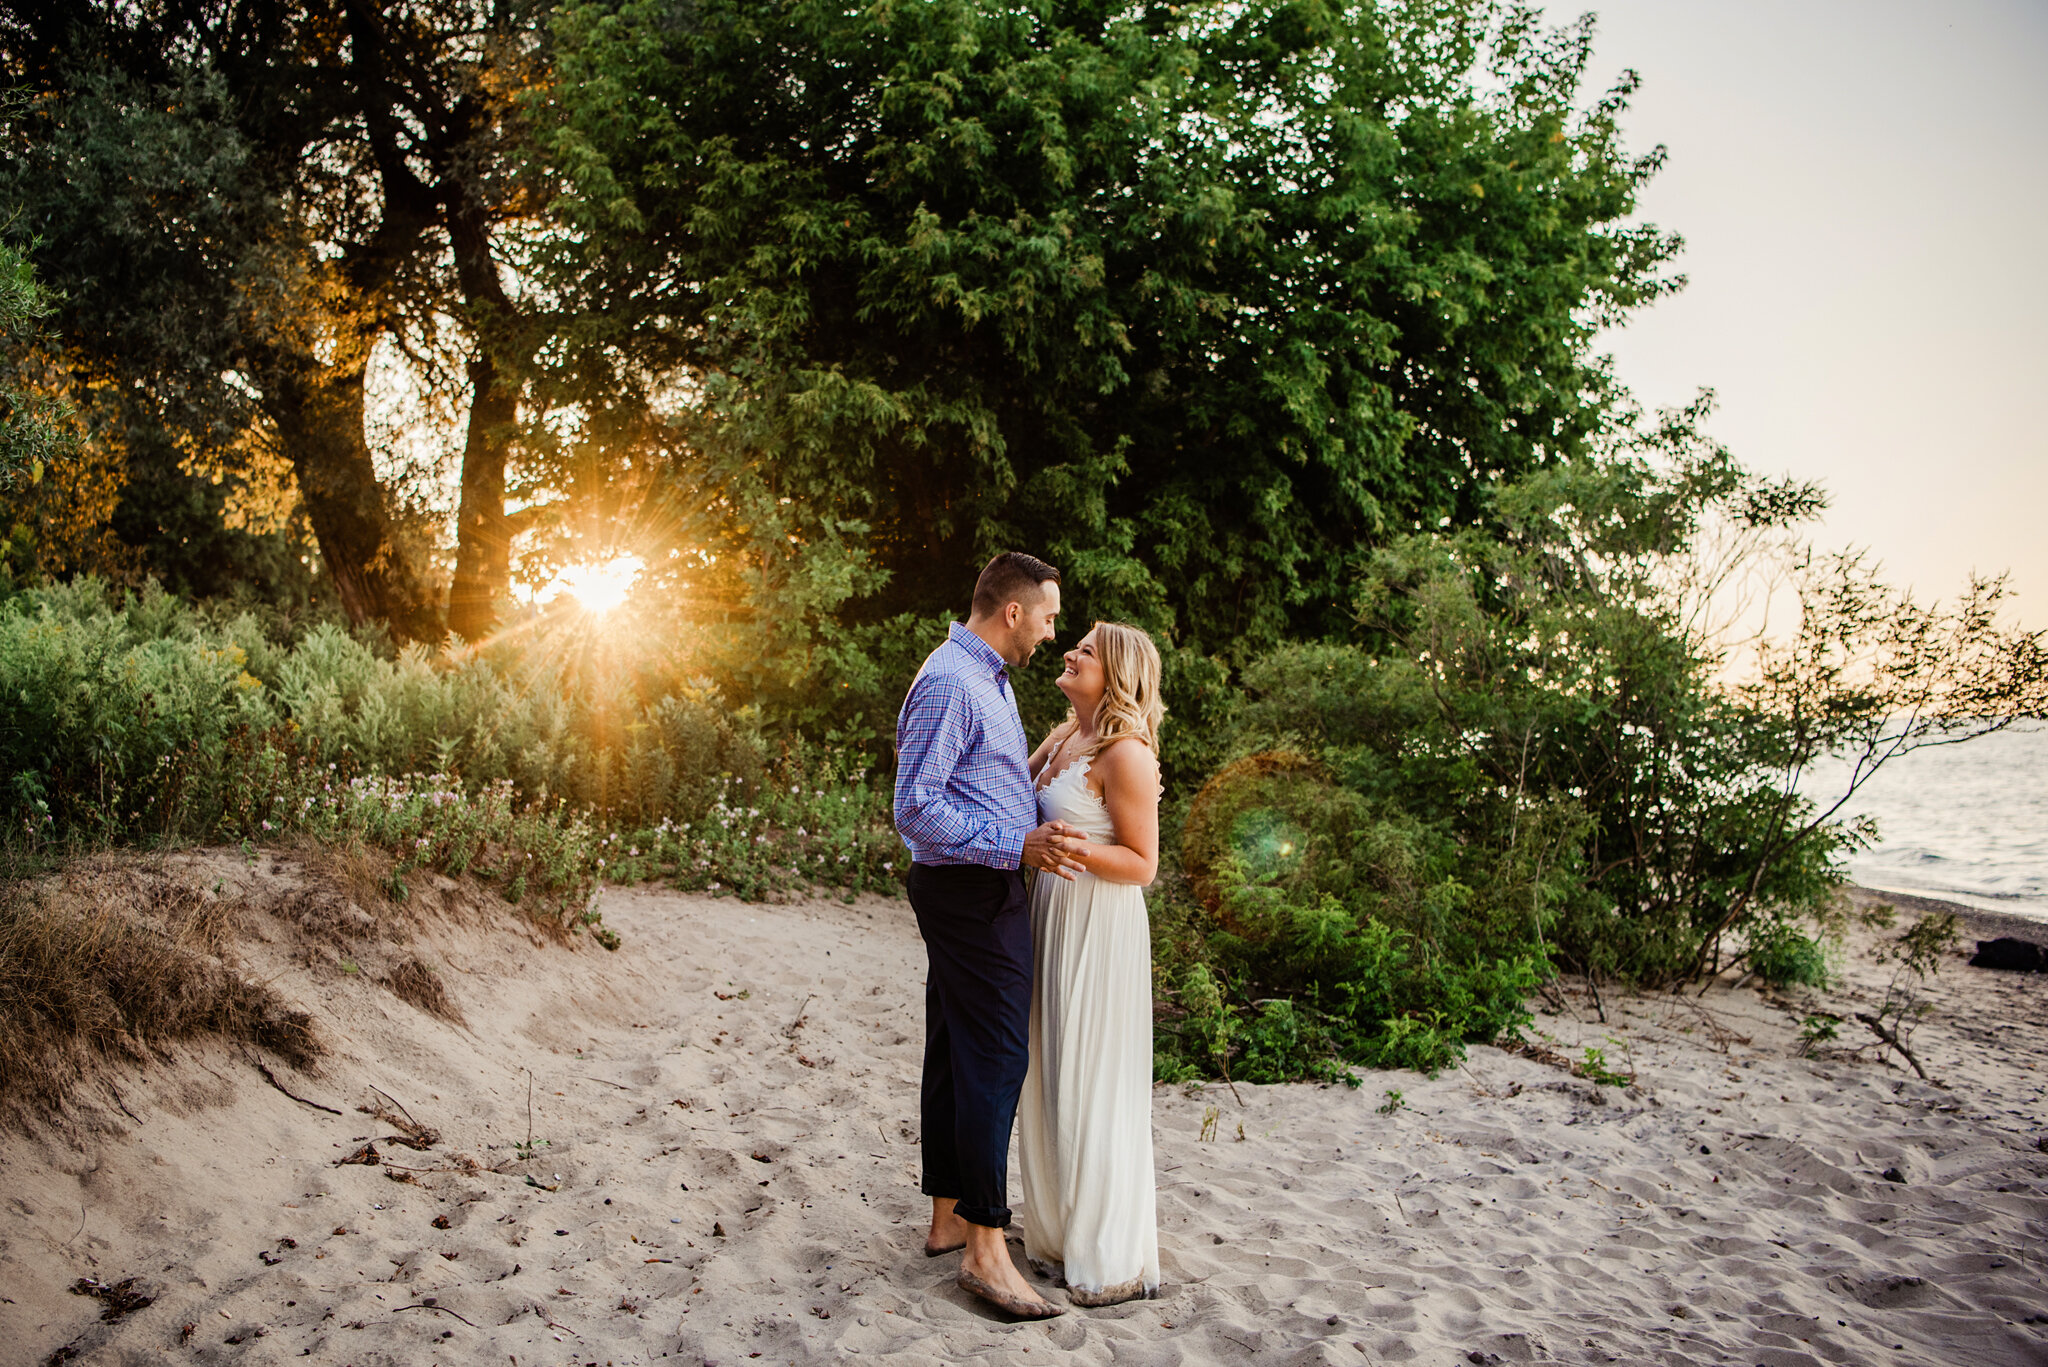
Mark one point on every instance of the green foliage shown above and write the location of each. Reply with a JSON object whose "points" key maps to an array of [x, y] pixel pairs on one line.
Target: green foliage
{"points": [[29, 436], [1359, 992], [1197, 302], [138, 718], [1816, 1030], [158, 227], [1779, 953], [1595, 1070], [1928, 941], [1529, 758], [1918, 953]]}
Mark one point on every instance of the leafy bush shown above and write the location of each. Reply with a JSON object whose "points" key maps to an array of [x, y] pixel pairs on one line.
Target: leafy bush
{"points": [[1780, 953], [1529, 758], [543, 766]]}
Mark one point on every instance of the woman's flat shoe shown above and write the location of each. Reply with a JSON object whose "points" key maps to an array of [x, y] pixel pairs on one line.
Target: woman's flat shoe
{"points": [[1008, 1304]]}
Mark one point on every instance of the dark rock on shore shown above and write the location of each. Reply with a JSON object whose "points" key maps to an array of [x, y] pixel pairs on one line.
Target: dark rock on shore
{"points": [[2018, 956]]}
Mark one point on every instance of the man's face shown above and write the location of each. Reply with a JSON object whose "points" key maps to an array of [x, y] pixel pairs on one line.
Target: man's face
{"points": [[1033, 626]]}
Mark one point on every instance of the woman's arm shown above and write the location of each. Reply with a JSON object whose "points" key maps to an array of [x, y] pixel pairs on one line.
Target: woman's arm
{"points": [[1130, 790], [1046, 747]]}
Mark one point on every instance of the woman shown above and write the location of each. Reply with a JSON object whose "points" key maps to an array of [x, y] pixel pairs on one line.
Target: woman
{"points": [[1085, 1120]]}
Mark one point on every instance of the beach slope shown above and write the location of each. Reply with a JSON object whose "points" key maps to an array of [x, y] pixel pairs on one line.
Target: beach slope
{"points": [[720, 1165]]}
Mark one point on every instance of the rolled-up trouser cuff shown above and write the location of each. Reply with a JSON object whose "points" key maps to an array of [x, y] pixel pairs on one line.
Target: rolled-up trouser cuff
{"points": [[988, 1217]]}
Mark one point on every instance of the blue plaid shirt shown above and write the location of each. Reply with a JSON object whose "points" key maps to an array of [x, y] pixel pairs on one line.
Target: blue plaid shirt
{"points": [[963, 766]]}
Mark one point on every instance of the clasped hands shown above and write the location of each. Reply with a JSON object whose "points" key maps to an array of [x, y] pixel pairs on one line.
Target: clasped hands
{"points": [[1055, 849]]}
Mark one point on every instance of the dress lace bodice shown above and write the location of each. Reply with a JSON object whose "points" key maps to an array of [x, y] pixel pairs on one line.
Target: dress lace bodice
{"points": [[1068, 798]]}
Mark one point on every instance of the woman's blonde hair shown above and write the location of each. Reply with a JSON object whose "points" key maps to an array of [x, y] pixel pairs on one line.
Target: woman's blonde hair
{"points": [[1130, 705]]}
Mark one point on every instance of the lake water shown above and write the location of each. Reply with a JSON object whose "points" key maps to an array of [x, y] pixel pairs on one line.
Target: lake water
{"points": [[1966, 822]]}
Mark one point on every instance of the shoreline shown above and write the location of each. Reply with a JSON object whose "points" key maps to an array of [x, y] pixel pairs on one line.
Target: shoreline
{"points": [[1981, 924]]}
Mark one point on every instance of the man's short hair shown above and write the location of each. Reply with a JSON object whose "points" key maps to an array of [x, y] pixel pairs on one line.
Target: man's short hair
{"points": [[1012, 577]]}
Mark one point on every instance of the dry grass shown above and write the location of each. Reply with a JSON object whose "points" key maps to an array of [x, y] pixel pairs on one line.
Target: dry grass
{"points": [[106, 963], [417, 983]]}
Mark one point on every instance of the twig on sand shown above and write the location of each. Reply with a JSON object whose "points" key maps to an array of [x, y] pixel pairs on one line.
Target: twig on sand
{"points": [[81, 1225], [550, 1321], [1554, 993], [1593, 986], [790, 1029], [401, 1106], [607, 1082], [422, 1305], [122, 1102], [529, 1109], [271, 1078], [1890, 1037], [1223, 1066]]}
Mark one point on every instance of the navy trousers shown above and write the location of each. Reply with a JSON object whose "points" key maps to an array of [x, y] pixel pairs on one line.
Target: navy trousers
{"points": [[976, 924]]}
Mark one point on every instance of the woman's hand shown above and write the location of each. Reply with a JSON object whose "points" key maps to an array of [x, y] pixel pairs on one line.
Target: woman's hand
{"points": [[1130, 790], [1050, 847]]}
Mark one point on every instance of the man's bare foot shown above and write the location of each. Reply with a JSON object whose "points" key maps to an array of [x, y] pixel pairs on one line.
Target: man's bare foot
{"points": [[1033, 1309], [986, 1271], [948, 1232]]}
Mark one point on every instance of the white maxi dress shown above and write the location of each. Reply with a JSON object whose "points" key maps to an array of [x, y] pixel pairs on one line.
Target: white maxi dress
{"points": [[1085, 1119]]}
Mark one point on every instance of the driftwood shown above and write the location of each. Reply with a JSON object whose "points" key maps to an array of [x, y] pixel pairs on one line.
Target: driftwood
{"points": [[1877, 1027]]}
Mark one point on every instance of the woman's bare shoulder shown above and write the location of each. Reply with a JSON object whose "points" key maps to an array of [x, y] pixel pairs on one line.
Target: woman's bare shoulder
{"points": [[1127, 756]]}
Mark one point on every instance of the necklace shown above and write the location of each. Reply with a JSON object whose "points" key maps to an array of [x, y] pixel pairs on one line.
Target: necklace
{"points": [[1053, 768]]}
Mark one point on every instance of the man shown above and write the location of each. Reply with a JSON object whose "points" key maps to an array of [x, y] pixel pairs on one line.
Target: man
{"points": [[966, 807]]}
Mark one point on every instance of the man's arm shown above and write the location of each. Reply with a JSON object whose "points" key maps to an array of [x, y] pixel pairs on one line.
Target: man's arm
{"points": [[933, 732]]}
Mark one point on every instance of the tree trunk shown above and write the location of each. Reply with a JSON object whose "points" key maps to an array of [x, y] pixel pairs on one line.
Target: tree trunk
{"points": [[483, 536], [319, 416]]}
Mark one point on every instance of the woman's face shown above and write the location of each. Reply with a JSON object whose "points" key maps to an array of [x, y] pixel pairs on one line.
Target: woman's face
{"points": [[1082, 679]]}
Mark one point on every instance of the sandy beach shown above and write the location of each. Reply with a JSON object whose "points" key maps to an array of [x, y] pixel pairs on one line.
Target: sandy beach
{"points": [[720, 1166]]}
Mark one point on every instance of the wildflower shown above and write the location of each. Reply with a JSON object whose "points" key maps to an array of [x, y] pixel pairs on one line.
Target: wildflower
{"points": [[267, 826]]}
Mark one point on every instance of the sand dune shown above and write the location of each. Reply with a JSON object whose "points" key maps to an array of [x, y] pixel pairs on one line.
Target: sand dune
{"points": [[724, 1158]]}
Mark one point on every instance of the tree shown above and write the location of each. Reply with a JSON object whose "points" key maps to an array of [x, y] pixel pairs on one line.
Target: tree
{"points": [[28, 436], [292, 185], [1200, 301]]}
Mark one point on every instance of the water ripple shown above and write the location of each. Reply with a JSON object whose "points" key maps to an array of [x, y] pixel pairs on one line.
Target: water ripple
{"points": [[1967, 822]]}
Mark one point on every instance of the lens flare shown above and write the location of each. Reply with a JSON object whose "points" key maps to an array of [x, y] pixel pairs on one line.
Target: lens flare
{"points": [[598, 588]]}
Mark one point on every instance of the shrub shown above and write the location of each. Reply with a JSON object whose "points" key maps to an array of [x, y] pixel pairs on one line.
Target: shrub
{"points": [[1780, 953], [543, 767], [1528, 758]]}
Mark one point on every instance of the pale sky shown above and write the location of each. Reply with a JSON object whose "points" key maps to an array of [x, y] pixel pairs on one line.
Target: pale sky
{"points": [[1863, 191]]}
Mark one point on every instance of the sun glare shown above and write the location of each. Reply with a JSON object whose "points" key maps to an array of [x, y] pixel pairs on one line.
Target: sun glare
{"points": [[598, 588]]}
